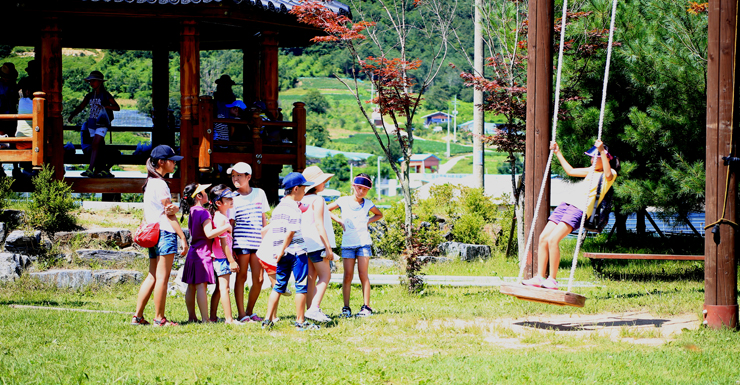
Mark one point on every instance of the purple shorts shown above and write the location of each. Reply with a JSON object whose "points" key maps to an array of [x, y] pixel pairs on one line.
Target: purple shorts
{"points": [[568, 214]]}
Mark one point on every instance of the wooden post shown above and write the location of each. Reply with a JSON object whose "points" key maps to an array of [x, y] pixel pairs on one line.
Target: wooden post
{"points": [[257, 144], [189, 89], [720, 269], [251, 76], [269, 73], [299, 118], [37, 146], [162, 133], [51, 84], [539, 115], [206, 133]]}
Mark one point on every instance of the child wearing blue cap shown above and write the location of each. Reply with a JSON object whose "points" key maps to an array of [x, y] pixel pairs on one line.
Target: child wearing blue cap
{"points": [[567, 216], [356, 241], [289, 250]]}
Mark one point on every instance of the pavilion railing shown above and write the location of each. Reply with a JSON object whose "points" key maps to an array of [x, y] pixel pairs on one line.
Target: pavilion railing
{"points": [[286, 146], [35, 154]]}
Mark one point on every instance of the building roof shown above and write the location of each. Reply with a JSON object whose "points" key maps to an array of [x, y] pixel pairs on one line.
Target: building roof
{"points": [[318, 152], [282, 6], [435, 113], [420, 157]]}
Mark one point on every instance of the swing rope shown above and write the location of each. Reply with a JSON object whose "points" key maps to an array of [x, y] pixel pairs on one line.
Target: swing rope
{"points": [[554, 131]]}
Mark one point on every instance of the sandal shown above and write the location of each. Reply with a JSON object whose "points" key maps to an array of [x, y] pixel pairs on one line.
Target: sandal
{"points": [[103, 174], [139, 321], [87, 173], [164, 322]]}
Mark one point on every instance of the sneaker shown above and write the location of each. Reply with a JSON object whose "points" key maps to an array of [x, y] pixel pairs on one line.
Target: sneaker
{"points": [[346, 312], [365, 311], [306, 326], [287, 293], [255, 318], [234, 322], [139, 321], [317, 315], [534, 281], [266, 324], [550, 283], [164, 322]]}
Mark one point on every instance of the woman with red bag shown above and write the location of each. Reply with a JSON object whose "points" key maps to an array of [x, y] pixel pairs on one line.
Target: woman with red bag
{"points": [[158, 208]]}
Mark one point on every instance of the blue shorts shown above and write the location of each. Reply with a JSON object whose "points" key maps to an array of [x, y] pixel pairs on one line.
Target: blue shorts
{"points": [[167, 244], [221, 267], [238, 251], [357, 251], [316, 257], [298, 265]]}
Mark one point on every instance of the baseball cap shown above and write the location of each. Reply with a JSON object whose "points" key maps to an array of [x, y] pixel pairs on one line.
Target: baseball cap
{"points": [[241, 168], [295, 179], [165, 152], [237, 103]]}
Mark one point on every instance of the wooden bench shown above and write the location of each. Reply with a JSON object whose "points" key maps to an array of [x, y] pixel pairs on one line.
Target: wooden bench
{"points": [[655, 257]]}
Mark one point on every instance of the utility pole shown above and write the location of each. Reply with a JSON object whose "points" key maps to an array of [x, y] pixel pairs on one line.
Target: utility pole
{"points": [[478, 116], [454, 114], [448, 130]]}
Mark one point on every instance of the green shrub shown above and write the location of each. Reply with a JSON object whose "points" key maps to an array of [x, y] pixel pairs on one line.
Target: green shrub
{"points": [[469, 229], [392, 243], [50, 209], [5, 192]]}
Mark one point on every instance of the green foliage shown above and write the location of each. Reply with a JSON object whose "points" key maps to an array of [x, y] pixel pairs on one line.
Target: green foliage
{"points": [[337, 165], [50, 209], [391, 243], [316, 133], [316, 102], [468, 229], [5, 192]]}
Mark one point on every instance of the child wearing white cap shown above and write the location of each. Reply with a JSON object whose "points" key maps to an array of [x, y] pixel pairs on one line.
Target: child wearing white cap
{"points": [[249, 218]]}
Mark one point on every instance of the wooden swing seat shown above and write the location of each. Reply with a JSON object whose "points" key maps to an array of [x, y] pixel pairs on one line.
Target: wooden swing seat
{"points": [[546, 296]]}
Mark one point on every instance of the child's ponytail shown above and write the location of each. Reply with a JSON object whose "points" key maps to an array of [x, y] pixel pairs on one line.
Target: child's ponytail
{"points": [[187, 200], [151, 171]]}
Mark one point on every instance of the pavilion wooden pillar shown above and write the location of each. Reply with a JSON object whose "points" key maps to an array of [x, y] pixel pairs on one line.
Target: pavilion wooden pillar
{"points": [[269, 73], [189, 89], [162, 133], [720, 269], [50, 63], [251, 78], [539, 119]]}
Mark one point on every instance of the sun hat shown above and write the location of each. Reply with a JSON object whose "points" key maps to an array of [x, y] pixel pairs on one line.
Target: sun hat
{"points": [[8, 71], [225, 80], [241, 168], [594, 152], [295, 179], [237, 103], [227, 193], [165, 152], [95, 75], [315, 175], [200, 189]]}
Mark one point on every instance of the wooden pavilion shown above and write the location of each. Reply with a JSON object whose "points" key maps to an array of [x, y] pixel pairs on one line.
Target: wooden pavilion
{"points": [[258, 27]]}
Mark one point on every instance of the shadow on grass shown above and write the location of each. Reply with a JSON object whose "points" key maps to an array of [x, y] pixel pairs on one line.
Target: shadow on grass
{"points": [[641, 271], [647, 294], [43, 303], [571, 327]]}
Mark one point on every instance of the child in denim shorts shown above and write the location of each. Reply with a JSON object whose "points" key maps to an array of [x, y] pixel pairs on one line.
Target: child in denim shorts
{"points": [[356, 241], [222, 199]]}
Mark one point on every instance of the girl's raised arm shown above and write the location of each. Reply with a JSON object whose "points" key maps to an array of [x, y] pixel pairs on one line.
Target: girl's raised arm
{"points": [[604, 160], [579, 172]]}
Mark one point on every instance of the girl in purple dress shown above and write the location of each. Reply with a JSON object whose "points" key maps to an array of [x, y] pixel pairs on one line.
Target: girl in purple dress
{"points": [[198, 272]]}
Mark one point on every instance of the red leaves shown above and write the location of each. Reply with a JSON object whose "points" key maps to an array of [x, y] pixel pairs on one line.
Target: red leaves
{"points": [[391, 79], [337, 27], [697, 8]]}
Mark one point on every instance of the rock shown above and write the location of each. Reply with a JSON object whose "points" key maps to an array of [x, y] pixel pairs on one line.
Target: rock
{"points": [[19, 242], [493, 230], [431, 259], [107, 255], [464, 251], [2, 232], [384, 263], [12, 265], [12, 218], [439, 219], [446, 229], [120, 237], [76, 279], [425, 225]]}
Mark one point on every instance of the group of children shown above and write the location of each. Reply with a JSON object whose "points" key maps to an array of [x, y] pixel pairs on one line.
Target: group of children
{"points": [[230, 234]]}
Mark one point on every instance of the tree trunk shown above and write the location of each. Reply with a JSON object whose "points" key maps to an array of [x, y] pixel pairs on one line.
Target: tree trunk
{"points": [[640, 222], [620, 222], [408, 219]]}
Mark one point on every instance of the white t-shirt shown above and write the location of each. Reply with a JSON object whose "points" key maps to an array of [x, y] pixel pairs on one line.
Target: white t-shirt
{"points": [[156, 191], [247, 215], [286, 218], [264, 253], [355, 218], [309, 229]]}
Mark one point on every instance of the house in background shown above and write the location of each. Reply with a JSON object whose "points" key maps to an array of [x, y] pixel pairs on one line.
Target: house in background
{"points": [[488, 128], [438, 117], [421, 162]]}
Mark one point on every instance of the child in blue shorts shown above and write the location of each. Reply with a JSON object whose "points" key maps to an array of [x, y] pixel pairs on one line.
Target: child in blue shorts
{"points": [[289, 250], [356, 241]]}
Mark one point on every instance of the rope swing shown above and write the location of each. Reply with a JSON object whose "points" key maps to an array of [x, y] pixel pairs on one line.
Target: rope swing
{"points": [[522, 258]]}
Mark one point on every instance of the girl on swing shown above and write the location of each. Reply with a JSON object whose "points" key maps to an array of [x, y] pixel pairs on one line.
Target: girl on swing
{"points": [[567, 216]]}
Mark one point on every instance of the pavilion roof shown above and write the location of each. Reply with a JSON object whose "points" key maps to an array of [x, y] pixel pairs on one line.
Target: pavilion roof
{"points": [[281, 6]]}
